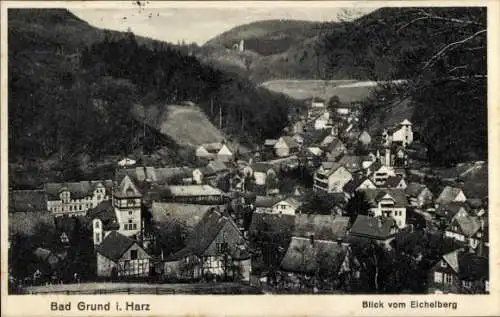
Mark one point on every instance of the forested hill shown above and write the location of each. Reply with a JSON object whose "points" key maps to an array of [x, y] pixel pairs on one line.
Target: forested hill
{"points": [[71, 88], [442, 54]]}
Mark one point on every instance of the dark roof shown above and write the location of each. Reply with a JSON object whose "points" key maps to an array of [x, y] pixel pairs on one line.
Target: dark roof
{"points": [[392, 181], [449, 210], [261, 167], [205, 232], [77, 190], [375, 195], [354, 183], [372, 227], [468, 225], [115, 245], [217, 166], [27, 200], [106, 213], [266, 201], [323, 227], [472, 267], [306, 257]]}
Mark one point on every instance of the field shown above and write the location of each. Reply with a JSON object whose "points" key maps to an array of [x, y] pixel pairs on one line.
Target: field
{"points": [[346, 90], [185, 125]]}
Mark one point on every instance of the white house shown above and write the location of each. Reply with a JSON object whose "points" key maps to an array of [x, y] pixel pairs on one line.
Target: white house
{"points": [[401, 133], [225, 154], [381, 174], [261, 171], [388, 203], [285, 146], [76, 198], [418, 194], [288, 206], [451, 194], [322, 122], [331, 177]]}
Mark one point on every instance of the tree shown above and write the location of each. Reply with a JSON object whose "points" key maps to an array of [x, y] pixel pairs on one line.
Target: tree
{"points": [[357, 205], [443, 67], [317, 203], [272, 182]]}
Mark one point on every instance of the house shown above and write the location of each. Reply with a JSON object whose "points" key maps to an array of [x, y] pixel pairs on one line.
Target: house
{"points": [[27, 201], [265, 204], [331, 177], [299, 139], [225, 154], [358, 183], [323, 121], [196, 194], [418, 194], [127, 202], [400, 133], [380, 173], [120, 256], [390, 202], [451, 194], [317, 103], [450, 211], [75, 198], [269, 143], [209, 172], [261, 171], [394, 182], [466, 229], [208, 150], [286, 146], [364, 138], [145, 176], [288, 206], [353, 163], [215, 247], [459, 272], [380, 230]]}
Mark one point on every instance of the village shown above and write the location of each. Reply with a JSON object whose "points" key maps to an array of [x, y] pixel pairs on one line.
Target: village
{"points": [[325, 208]]}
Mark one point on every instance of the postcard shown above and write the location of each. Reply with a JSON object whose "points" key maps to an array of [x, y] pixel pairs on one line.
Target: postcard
{"points": [[265, 158]]}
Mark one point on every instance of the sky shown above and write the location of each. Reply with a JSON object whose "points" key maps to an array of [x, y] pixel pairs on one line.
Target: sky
{"points": [[194, 24]]}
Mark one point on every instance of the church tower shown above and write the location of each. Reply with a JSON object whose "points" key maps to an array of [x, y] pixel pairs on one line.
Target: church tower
{"points": [[127, 205]]}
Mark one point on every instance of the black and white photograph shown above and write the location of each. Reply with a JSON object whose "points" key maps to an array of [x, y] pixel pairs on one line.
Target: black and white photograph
{"points": [[246, 150]]}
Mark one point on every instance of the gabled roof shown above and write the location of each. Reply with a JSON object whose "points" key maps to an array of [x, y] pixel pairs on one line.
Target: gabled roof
{"points": [[330, 167], [449, 210], [354, 183], [468, 266], [289, 141], [205, 232], [293, 202], [106, 213], [27, 200], [127, 189], [304, 257], [373, 227], [323, 227], [397, 194], [115, 245], [405, 122], [448, 194], [212, 147], [217, 166], [77, 190], [468, 225]]}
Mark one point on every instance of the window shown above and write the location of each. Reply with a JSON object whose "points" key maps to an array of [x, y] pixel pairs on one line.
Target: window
{"points": [[448, 278], [133, 254], [130, 212], [97, 225], [221, 247], [467, 284], [134, 226], [70, 208], [443, 264], [97, 238], [438, 277]]}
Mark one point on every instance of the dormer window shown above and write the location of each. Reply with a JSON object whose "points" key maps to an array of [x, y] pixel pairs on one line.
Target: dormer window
{"points": [[443, 264]]}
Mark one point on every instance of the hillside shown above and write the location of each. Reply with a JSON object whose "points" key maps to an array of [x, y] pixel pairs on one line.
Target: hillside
{"points": [[268, 37], [184, 124], [72, 88]]}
